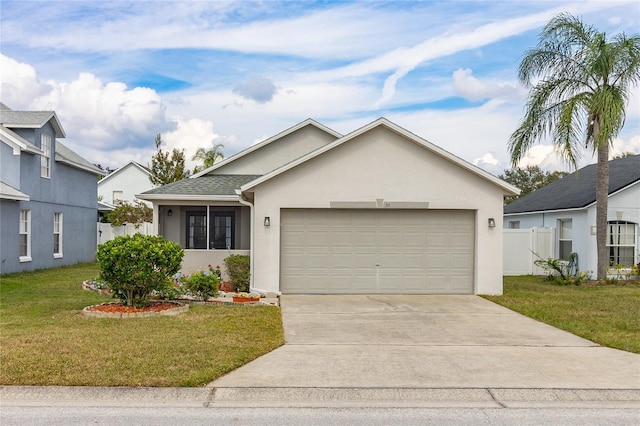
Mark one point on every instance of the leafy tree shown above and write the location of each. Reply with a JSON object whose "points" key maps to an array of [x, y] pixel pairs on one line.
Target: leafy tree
{"points": [[106, 171], [167, 167], [579, 85], [529, 179], [135, 214], [208, 157], [133, 266]]}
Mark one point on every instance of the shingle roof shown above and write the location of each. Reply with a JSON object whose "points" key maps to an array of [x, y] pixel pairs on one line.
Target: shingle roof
{"points": [[66, 155], [578, 189], [204, 185], [30, 119]]}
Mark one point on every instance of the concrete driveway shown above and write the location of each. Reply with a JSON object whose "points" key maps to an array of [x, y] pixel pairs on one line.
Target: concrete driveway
{"points": [[427, 342]]}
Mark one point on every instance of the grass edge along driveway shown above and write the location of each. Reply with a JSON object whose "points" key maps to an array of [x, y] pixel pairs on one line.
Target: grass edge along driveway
{"points": [[608, 315], [45, 339]]}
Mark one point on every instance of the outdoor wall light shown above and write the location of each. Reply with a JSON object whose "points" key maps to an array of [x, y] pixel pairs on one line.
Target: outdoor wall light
{"points": [[267, 221], [492, 222], [170, 212]]}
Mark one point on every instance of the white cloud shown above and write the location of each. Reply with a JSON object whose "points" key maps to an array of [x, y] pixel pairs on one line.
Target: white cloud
{"points": [[469, 87], [190, 135], [489, 163], [19, 83]]}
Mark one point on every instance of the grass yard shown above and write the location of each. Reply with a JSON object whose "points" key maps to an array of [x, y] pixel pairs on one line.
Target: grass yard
{"points": [[45, 339], [608, 315]]}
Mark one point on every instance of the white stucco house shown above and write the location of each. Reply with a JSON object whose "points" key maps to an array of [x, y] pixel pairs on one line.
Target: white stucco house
{"points": [[124, 183], [379, 210], [568, 205]]}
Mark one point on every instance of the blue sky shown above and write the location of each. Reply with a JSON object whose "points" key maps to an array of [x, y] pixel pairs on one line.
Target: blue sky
{"points": [[206, 72]]}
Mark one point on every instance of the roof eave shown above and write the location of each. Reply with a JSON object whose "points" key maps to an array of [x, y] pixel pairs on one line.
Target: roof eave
{"points": [[507, 188], [184, 197]]}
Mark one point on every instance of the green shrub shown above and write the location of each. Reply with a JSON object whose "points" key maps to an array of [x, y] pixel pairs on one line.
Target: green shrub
{"points": [[202, 284], [134, 266], [239, 270], [559, 271]]}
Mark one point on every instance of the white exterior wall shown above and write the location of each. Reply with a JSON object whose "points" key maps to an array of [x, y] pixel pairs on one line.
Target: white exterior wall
{"points": [[282, 151], [129, 179], [379, 164], [625, 205]]}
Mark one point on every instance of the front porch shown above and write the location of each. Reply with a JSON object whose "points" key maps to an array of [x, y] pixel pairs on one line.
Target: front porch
{"points": [[207, 232]]}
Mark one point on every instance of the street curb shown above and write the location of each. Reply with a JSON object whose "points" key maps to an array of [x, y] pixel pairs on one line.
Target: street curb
{"points": [[318, 397]]}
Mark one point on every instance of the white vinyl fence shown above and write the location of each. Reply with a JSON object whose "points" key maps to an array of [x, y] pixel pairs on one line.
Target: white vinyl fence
{"points": [[519, 248], [106, 232]]}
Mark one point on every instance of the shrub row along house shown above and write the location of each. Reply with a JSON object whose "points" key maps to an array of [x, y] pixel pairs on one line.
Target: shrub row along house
{"points": [[48, 195], [379, 210], [568, 205]]}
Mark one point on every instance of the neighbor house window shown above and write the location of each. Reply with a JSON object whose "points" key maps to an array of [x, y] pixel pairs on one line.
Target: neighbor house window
{"points": [[621, 243], [25, 235], [565, 238], [57, 235], [514, 224], [45, 158], [117, 197]]}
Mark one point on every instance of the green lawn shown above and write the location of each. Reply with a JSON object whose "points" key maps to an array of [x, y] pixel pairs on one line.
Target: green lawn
{"points": [[608, 315], [45, 339]]}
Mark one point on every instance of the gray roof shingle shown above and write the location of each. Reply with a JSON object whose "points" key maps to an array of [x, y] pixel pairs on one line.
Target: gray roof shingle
{"points": [[578, 189], [204, 185]]}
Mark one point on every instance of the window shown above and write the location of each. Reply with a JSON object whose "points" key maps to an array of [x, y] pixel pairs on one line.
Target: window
{"points": [[565, 239], [117, 197], [219, 234], [57, 235], [222, 230], [45, 158], [514, 224], [621, 243], [196, 230], [25, 235]]}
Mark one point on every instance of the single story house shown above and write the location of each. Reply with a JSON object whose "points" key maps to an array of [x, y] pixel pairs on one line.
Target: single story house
{"points": [[569, 206], [379, 210]]}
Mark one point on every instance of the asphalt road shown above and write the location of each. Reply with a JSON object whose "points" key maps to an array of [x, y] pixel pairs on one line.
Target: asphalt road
{"points": [[161, 416]]}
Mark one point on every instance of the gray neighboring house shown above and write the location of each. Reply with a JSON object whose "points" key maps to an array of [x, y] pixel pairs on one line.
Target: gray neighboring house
{"points": [[48, 195], [569, 206]]}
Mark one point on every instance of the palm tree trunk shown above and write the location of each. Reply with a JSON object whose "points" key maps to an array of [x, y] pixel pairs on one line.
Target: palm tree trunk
{"points": [[602, 201]]}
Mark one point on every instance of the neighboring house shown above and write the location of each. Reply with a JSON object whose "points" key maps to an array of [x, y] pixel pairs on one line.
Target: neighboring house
{"points": [[379, 210], [48, 194], [123, 184], [569, 206]]}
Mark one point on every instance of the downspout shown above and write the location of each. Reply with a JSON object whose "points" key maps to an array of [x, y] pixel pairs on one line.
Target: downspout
{"points": [[248, 203]]}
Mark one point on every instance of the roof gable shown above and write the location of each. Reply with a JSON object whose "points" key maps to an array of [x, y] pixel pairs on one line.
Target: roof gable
{"points": [[507, 188], [578, 190], [119, 171], [266, 143]]}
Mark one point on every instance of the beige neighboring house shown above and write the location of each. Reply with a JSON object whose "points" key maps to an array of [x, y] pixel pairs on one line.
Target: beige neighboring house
{"points": [[124, 183], [379, 210]]}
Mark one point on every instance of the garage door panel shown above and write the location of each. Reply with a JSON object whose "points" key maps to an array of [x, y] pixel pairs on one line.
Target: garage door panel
{"points": [[377, 251]]}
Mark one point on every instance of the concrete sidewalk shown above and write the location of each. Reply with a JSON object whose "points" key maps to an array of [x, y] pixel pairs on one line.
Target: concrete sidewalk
{"points": [[427, 344]]}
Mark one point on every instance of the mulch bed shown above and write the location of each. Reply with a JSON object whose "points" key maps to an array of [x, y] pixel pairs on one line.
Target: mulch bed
{"points": [[124, 309]]}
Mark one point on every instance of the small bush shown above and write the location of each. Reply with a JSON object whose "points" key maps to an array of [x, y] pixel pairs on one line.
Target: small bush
{"points": [[135, 266], [239, 270], [558, 271], [202, 284]]}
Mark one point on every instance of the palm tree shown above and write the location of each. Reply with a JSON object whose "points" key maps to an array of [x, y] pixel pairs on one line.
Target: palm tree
{"points": [[208, 157], [582, 84]]}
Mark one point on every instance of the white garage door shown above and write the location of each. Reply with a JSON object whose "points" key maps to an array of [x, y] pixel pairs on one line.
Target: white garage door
{"points": [[377, 251]]}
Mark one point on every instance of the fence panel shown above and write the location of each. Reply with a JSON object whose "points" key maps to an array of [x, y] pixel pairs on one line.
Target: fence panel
{"points": [[106, 232], [519, 246]]}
